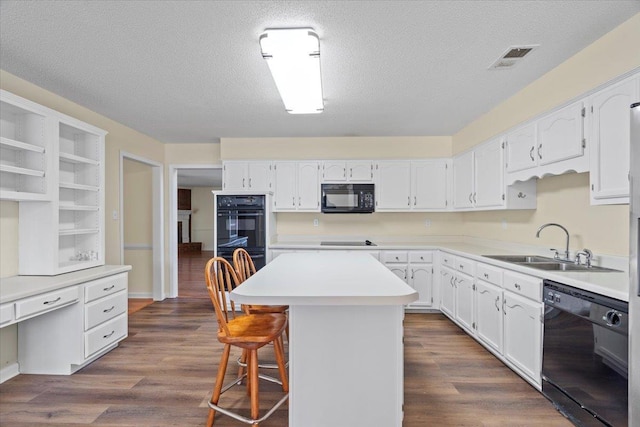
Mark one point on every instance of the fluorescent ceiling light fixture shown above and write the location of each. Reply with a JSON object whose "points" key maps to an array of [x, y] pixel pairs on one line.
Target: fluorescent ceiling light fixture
{"points": [[293, 56]]}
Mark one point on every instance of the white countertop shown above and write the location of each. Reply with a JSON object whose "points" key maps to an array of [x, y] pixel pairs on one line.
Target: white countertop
{"points": [[611, 284], [324, 278], [18, 287]]}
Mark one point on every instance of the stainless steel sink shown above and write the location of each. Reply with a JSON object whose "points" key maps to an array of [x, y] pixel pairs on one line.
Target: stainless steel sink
{"points": [[520, 258], [546, 263]]}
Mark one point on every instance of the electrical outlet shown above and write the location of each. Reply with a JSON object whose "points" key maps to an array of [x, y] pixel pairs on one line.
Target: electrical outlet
{"points": [[315, 222], [114, 215]]}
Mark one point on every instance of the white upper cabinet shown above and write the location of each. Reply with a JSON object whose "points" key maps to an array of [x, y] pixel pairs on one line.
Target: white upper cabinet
{"points": [[478, 181], [521, 148], [463, 185], [610, 140], [560, 136], [430, 183], [297, 186], [393, 185], [27, 138], [551, 145], [247, 176], [347, 171]]}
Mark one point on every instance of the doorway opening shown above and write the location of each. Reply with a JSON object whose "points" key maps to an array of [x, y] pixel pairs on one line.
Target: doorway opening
{"points": [[192, 226]]}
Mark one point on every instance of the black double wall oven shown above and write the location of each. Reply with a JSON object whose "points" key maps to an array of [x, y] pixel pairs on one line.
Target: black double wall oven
{"points": [[241, 223]]}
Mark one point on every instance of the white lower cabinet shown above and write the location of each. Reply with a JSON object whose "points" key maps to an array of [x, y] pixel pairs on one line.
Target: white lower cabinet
{"points": [[64, 340], [500, 308], [416, 269]]}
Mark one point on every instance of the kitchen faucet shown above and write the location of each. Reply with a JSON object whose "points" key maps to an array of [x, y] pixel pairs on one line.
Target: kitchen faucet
{"points": [[566, 251]]}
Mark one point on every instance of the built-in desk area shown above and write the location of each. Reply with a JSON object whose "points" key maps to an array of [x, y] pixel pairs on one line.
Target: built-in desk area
{"points": [[345, 335]]}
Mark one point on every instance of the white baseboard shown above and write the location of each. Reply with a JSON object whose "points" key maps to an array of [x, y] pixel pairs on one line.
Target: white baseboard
{"points": [[9, 372], [140, 295]]}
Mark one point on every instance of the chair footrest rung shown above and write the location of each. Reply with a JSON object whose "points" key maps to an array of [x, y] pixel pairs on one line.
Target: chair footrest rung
{"points": [[246, 420], [262, 365]]}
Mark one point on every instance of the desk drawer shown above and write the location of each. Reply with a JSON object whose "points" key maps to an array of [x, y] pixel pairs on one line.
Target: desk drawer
{"points": [[104, 309], [394, 257], [105, 286], [6, 313], [46, 302], [105, 335]]}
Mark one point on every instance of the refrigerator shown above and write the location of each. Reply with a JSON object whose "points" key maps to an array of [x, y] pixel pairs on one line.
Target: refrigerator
{"points": [[634, 261]]}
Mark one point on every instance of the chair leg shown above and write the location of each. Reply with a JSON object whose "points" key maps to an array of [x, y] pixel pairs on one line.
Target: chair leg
{"points": [[278, 345], [253, 382], [215, 396], [243, 359]]}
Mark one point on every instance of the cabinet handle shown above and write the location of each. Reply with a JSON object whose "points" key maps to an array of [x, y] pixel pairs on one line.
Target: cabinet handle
{"points": [[52, 301], [470, 194], [293, 200], [517, 286], [474, 197], [486, 276], [496, 302], [415, 200], [109, 288], [249, 182], [299, 200], [350, 172], [243, 179], [521, 195], [413, 273], [533, 147], [540, 151], [504, 301], [461, 267], [108, 335], [107, 310], [409, 201]]}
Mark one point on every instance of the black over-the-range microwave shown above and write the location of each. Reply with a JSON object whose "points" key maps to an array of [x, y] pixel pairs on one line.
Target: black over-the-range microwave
{"points": [[348, 198]]}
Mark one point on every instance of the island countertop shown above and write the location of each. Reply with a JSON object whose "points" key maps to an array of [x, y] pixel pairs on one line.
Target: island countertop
{"points": [[324, 278]]}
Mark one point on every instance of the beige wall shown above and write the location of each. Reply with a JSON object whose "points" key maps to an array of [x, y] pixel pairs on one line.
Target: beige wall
{"points": [[202, 218], [137, 221]]}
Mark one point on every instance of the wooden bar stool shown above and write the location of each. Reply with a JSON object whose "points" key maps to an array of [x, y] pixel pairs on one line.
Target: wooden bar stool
{"points": [[249, 332]]}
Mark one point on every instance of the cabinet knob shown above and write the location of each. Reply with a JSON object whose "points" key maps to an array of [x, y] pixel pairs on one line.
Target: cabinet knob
{"points": [[486, 276], [517, 286]]}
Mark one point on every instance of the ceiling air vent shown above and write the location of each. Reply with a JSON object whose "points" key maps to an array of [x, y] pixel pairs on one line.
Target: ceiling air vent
{"points": [[512, 56]]}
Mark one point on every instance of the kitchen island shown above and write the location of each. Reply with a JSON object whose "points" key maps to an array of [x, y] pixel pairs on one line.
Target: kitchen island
{"points": [[345, 335]]}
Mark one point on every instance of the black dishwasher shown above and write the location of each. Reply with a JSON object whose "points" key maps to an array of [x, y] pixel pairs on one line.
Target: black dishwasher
{"points": [[585, 355]]}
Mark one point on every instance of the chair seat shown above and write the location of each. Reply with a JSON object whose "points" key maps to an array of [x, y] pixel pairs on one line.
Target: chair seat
{"points": [[261, 309], [254, 330]]}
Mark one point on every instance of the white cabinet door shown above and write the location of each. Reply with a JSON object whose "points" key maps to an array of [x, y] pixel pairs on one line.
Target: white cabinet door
{"points": [[523, 334], [421, 279], [489, 314], [521, 148], [259, 176], [429, 184], [309, 186], [360, 171], [464, 300], [393, 186], [285, 186], [334, 170], [610, 139], [489, 175], [399, 270], [234, 175], [463, 180], [560, 135], [447, 292]]}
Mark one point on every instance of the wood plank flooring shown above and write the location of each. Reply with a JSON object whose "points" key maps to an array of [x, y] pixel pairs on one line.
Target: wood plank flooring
{"points": [[163, 373]]}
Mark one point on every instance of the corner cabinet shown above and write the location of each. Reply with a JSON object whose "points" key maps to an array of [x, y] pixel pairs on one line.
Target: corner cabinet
{"points": [[61, 217], [416, 269]]}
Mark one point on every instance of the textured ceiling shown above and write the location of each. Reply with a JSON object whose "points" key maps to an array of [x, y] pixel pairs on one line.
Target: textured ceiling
{"points": [[191, 71]]}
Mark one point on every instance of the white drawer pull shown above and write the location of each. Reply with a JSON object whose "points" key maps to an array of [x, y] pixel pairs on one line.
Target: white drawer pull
{"points": [[53, 301], [109, 335], [109, 288], [107, 310]]}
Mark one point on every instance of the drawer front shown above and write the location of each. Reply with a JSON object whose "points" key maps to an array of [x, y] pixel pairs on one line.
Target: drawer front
{"points": [[489, 273], [105, 334], [447, 259], [530, 287], [6, 313], [421, 257], [104, 309], [465, 265], [46, 302], [105, 286], [394, 256]]}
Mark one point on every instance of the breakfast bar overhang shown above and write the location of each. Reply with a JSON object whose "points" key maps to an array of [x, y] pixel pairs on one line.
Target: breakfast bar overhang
{"points": [[345, 335]]}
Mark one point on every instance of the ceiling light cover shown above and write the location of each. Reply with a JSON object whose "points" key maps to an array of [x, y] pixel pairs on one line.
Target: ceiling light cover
{"points": [[293, 56]]}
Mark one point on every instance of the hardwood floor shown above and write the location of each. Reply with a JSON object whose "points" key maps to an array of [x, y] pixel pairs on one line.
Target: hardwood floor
{"points": [[163, 374], [191, 274]]}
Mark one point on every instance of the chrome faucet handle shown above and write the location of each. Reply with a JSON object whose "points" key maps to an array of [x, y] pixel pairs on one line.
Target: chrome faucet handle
{"points": [[588, 255], [556, 254]]}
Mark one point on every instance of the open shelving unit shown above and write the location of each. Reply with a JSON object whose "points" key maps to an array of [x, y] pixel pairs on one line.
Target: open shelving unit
{"points": [[25, 158], [53, 165]]}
